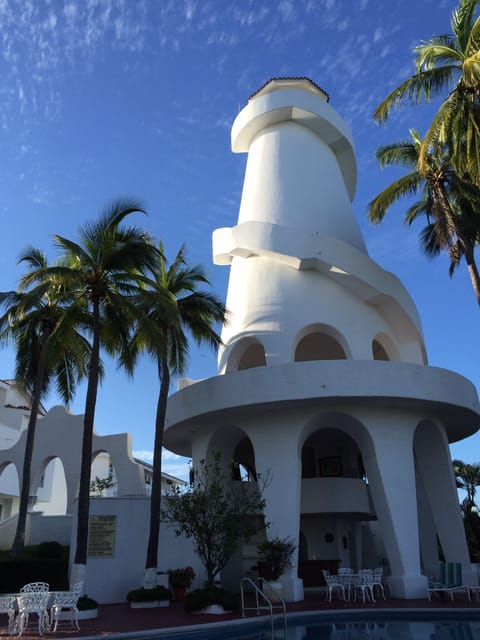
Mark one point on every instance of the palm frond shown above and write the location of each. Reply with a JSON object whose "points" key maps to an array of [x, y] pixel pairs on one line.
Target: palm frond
{"points": [[471, 70], [416, 89], [437, 52], [473, 42], [462, 21], [405, 186], [398, 153]]}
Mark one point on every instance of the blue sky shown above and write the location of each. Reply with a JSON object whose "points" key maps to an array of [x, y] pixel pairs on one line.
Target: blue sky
{"points": [[101, 98]]}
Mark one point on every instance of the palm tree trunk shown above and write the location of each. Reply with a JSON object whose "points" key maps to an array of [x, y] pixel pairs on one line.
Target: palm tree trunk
{"points": [[19, 541], [155, 499], [473, 271], [88, 421]]}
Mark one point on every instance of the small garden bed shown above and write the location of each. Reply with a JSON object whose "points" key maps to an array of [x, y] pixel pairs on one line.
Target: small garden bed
{"points": [[149, 598]]}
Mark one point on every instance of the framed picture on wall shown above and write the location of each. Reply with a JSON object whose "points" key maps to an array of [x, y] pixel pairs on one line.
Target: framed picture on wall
{"points": [[330, 467]]}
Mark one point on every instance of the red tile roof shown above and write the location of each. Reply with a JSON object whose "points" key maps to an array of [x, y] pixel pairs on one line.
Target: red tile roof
{"points": [[291, 78]]}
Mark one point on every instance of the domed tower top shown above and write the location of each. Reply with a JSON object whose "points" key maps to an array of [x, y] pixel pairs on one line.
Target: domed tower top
{"points": [[302, 285], [301, 153]]}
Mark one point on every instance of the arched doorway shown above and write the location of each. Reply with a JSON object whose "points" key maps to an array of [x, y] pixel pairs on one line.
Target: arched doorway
{"points": [[9, 496]]}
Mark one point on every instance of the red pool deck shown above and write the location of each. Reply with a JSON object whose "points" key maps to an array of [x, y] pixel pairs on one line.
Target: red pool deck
{"points": [[119, 618]]}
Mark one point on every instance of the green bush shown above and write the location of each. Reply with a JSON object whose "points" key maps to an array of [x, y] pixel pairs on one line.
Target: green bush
{"points": [[16, 573], [86, 604], [276, 555], [50, 551], [149, 595], [202, 598]]}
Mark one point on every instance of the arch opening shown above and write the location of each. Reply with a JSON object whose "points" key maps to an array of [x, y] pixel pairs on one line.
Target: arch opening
{"points": [[103, 479], [10, 495], [51, 490], [247, 353], [318, 345], [378, 351]]}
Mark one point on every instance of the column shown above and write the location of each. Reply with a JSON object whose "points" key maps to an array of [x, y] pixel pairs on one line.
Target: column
{"points": [[277, 455], [390, 470]]}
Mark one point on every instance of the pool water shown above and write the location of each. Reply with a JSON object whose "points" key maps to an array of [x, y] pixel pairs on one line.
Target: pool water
{"points": [[317, 628]]}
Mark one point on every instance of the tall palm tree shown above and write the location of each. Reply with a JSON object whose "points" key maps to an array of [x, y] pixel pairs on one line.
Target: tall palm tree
{"points": [[468, 478], [100, 270], [448, 64], [38, 320], [448, 202], [172, 309]]}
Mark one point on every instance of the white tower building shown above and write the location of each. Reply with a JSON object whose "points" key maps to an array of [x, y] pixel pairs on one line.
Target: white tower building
{"points": [[323, 378]]}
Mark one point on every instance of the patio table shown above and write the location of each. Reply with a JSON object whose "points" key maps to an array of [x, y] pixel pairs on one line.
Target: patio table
{"points": [[353, 581]]}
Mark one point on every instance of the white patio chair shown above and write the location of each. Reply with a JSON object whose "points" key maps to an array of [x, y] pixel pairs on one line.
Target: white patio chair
{"points": [[334, 583], [362, 584], [7, 605], [377, 581], [32, 602], [66, 600], [33, 587]]}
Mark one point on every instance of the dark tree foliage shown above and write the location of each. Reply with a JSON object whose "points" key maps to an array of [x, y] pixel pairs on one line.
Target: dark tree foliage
{"points": [[216, 513]]}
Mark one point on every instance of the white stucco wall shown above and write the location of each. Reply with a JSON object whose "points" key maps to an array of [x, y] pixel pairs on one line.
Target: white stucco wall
{"points": [[109, 579]]}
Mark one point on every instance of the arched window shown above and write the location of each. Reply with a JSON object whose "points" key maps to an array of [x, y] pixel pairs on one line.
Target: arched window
{"points": [[247, 353], [319, 346], [378, 351], [253, 356]]}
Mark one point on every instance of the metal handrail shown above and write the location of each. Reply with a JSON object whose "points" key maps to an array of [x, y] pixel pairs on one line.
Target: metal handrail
{"points": [[258, 588]]}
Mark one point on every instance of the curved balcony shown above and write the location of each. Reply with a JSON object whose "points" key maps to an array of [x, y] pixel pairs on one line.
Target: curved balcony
{"points": [[265, 391], [337, 496]]}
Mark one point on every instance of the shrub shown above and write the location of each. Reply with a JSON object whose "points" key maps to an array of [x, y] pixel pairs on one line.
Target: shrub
{"points": [[50, 551], [202, 598], [276, 554], [86, 604], [16, 573], [149, 595]]}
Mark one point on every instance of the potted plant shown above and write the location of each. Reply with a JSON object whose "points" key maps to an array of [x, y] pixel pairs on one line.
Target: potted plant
{"points": [[275, 558], [180, 580], [148, 598], [87, 609]]}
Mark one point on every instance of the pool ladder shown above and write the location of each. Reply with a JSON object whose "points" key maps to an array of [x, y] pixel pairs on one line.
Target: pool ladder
{"points": [[262, 601]]}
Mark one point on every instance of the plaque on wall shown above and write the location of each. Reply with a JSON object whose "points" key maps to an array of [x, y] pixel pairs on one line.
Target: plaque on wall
{"points": [[101, 536]]}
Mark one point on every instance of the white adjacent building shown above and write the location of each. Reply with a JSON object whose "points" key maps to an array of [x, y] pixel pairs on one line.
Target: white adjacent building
{"points": [[323, 379], [56, 468]]}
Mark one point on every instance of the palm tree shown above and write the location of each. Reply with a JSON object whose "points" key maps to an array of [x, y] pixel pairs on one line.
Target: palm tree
{"points": [[448, 63], [172, 308], [448, 202], [467, 477], [100, 270], [38, 320]]}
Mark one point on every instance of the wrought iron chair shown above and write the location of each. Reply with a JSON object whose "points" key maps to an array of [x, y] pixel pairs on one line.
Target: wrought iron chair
{"points": [[362, 583], [7, 605], [32, 602], [334, 583], [377, 581], [33, 587], [66, 600]]}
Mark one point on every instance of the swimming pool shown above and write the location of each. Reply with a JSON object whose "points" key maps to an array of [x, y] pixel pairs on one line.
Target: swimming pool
{"points": [[382, 626]]}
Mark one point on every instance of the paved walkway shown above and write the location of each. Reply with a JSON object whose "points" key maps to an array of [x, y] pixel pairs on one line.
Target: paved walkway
{"points": [[119, 618]]}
